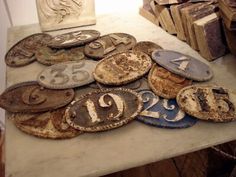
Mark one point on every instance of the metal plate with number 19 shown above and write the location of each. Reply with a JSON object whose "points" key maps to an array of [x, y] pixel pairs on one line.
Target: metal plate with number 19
{"points": [[183, 65], [67, 75], [104, 109], [163, 112]]}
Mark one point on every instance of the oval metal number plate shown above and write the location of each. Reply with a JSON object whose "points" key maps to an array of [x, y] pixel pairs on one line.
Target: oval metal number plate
{"points": [[75, 38], [31, 97], [212, 103], [163, 112], [104, 110], [49, 124], [166, 84], [122, 68], [23, 52], [67, 75], [183, 65]]}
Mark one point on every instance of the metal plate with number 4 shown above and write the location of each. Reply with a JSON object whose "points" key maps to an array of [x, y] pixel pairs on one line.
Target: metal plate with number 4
{"points": [[75, 38], [183, 65], [109, 44], [67, 75], [212, 103], [163, 112], [33, 98], [23, 52], [104, 110]]}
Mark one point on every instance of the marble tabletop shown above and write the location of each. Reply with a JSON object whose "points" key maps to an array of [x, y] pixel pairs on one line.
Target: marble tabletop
{"points": [[133, 145]]}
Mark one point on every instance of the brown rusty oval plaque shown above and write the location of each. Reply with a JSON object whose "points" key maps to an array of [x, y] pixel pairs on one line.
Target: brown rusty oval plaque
{"points": [[23, 52], [104, 110], [51, 124], [31, 97], [109, 44], [67, 75], [146, 47], [75, 38], [166, 84], [212, 103], [122, 68], [49, 56]]}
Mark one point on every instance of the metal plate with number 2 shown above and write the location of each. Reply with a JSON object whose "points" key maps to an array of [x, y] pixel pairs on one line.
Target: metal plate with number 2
{"points": [[67, 75], [163, 112]]}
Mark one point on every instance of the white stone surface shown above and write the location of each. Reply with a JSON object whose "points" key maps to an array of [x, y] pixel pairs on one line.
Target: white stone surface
{"points": [[133, 145]]}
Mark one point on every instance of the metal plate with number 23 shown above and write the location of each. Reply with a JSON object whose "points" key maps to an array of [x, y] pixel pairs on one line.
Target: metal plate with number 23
{"points": [[67, 75], [163, 112]]}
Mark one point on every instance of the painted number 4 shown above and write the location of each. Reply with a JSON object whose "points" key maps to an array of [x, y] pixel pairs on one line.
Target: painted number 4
{"points": [[182, 62]]}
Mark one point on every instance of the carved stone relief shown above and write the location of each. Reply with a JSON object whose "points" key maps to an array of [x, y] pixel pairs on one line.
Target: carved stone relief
{"points": [[59, 14]]}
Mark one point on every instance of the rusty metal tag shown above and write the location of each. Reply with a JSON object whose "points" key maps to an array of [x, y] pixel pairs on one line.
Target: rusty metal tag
{"points": [[109, 44], [163, 113], [32, 98], [76, 38], [23, 52], [51, 124], [146, 47], [183, 65], [67, 75], [166, 84], [122, 68], [104, 110], [212, 103], [49, 56]]}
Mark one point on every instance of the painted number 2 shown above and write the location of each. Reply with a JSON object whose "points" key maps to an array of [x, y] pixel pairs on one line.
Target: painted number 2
{"points": [[151, 99]]}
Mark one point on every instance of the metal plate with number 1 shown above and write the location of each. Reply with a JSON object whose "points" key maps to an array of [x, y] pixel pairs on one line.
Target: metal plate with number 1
{"points": [[183, 65], [163, 112], [104, 109], [68, 74]]}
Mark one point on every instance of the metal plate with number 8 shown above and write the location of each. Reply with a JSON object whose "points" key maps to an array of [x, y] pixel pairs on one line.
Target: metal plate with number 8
{"points": [[104, 109], [67, 75], [183, 65], [163, 113]]}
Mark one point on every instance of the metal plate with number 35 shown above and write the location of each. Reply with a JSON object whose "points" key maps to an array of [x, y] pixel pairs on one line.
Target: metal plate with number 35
{"points": [[163, 112], [104, 109], [183, 65], [67, 75]]}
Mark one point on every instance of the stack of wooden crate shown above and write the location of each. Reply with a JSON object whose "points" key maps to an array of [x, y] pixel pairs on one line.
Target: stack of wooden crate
{"points": [[197, 22], [228, 14]]}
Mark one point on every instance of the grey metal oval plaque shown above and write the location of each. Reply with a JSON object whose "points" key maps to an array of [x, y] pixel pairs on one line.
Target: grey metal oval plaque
{"points": [[183, 65], [67, 75]]}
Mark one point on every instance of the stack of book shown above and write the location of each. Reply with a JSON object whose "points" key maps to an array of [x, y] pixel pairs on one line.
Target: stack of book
{"points": [[197, 22]]}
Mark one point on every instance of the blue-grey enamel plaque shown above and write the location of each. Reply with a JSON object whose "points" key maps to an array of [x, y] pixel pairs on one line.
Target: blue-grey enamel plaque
{"points": [[183, 65], [163, 113]]}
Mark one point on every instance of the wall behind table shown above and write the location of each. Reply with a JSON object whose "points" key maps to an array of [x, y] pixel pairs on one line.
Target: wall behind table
{"points": [[24, 12]]}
